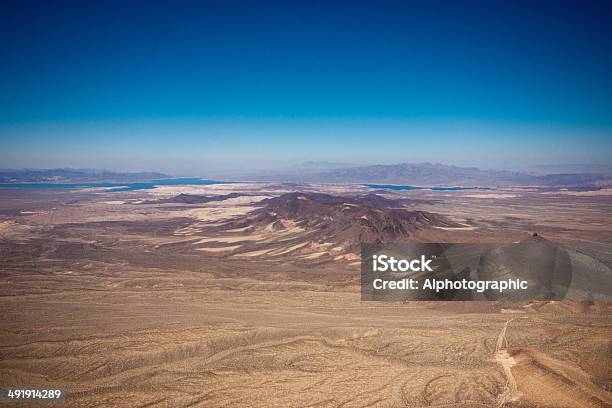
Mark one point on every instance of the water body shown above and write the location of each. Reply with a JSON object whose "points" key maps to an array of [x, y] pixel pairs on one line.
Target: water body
{"points": [[141, 185], [396, 187]]}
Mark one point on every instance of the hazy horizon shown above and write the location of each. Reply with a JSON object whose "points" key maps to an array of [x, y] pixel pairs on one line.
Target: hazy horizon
{"points": [[314, 167]]}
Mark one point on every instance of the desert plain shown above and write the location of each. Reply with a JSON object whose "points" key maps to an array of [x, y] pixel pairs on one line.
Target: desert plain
{"points": [[247, 294]]}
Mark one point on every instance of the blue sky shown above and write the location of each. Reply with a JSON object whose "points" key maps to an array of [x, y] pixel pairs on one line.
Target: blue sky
{"points": [[192, 87]]}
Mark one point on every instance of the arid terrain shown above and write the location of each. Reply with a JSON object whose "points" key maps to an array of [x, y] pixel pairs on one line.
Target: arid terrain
{"points": [[248, 295]]}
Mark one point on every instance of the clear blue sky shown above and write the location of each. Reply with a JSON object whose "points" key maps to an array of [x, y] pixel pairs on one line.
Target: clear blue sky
{"points": [[187, 87]]}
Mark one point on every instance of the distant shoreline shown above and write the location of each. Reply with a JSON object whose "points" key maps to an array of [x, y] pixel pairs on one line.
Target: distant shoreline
{"points": [[116, 186]]}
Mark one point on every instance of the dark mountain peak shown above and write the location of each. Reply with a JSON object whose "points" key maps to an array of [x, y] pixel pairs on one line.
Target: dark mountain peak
{"points": [[352, 220], [544, 264], [377, 200]]}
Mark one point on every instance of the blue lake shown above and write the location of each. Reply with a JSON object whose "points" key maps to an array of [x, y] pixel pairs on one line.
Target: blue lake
{"points": [[396, 187], [141, 185]]}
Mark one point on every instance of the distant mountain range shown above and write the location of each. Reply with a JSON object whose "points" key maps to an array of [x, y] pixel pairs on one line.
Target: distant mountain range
{"points": [[424, 174], [414, 174], [68, 175], [428, 174]]}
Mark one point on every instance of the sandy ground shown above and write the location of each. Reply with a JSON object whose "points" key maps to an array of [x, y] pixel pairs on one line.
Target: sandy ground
{"points": [[141, 305], [600, 192]]}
